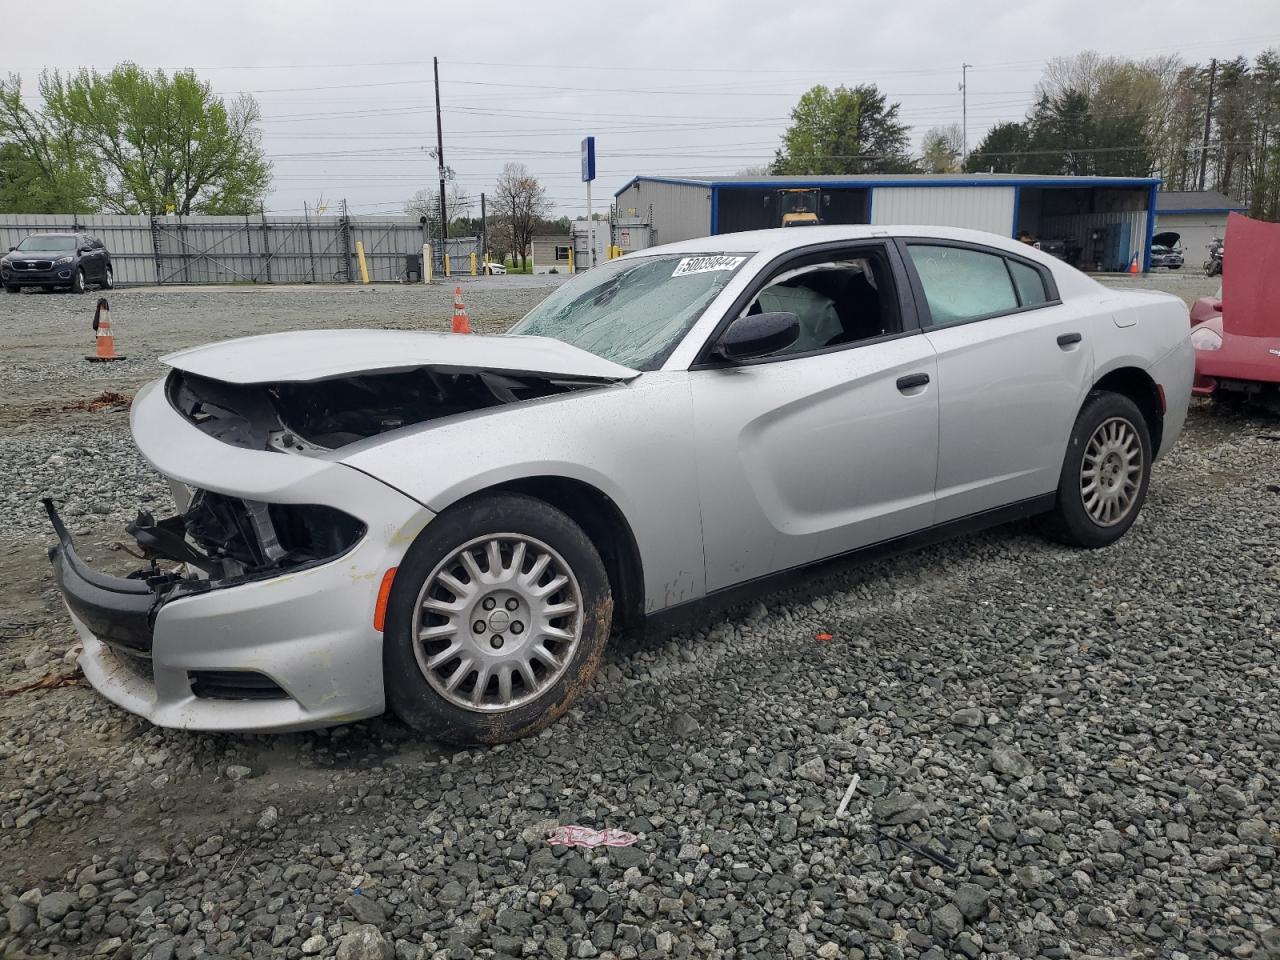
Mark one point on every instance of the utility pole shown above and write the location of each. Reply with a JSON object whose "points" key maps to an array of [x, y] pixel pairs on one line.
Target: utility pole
{"points": [[444, 217], [964, 112], [484, 229], [1208, 119]]}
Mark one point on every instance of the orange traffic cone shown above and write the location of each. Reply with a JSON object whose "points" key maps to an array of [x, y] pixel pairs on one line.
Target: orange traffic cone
{"points": [[106, 341], [1133, 264], [461, 322]]}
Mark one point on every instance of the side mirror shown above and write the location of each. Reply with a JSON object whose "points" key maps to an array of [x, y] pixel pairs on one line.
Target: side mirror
{"points": [[758, 335], [11, 249], [84, 250]]}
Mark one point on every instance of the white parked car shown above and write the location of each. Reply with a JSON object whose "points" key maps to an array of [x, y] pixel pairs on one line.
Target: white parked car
{"points": [[495, 269], [452, 525]]}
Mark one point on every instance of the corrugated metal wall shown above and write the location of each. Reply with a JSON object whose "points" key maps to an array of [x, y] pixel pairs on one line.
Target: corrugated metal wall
{"points": [[680, 211], [271, 249], [977, 208], [128, 238], [1081, 225]]}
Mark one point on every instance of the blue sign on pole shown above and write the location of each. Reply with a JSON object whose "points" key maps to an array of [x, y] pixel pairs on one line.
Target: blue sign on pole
{"points": [[588, 159]]}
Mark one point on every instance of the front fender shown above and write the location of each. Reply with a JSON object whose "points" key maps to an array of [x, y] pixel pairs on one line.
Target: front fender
{"points": [[632, 442]]}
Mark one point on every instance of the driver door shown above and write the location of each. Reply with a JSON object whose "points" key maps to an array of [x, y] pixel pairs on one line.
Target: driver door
{"points": [[829, 445]]}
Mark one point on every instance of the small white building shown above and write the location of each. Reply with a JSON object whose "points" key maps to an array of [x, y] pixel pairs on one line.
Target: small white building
{"points": [[1196, 216]]}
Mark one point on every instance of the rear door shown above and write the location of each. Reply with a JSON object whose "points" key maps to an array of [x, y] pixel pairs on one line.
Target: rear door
{"points": [[1014, 365], [827, 446]]}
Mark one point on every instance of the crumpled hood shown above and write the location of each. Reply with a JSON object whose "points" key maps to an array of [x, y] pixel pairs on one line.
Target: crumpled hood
{"points": [[311, 355]]}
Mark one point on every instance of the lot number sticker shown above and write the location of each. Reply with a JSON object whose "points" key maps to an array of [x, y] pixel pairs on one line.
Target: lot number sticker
{"points": [[705, 265]]}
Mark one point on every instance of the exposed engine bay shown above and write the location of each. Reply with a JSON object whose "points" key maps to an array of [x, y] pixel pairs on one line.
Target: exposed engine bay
{"points": [[311, 418]]}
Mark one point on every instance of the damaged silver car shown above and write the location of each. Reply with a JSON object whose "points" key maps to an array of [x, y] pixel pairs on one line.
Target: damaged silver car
{"points": [[452, 526]]}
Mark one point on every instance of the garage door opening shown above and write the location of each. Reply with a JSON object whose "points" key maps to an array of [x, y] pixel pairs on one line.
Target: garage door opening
{"points": [[1096, 229], [760, 208]]}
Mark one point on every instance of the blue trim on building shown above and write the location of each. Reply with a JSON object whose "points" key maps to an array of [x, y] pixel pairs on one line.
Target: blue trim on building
{"points": [[1174, 213], [1151, 228], [715, 210], [1017, 200], [1047, 183], [871, 198]]}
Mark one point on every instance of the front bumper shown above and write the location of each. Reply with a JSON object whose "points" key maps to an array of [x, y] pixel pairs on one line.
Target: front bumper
{"points": [[292, 651], [37, 278]]}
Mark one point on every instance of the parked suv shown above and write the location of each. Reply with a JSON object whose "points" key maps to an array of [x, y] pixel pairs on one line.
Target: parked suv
{"points": [[71, 260]]}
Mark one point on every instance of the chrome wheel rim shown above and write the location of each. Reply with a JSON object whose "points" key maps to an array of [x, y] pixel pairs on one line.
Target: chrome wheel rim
{"points": [[1111, 472], [496, 623], [109, 279]]}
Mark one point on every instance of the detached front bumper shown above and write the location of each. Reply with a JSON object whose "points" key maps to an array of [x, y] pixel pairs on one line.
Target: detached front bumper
{"points": [[281, 652]]}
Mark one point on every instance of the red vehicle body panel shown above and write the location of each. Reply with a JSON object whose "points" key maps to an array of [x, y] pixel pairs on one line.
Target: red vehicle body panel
{"points": [[1249, 323]]}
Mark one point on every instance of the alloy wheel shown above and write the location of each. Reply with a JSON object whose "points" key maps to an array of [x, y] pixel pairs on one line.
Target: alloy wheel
{"points": [[1111, 472], [496, 622]]}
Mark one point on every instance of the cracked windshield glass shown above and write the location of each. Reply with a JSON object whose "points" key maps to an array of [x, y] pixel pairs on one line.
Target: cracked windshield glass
{"points": [[632, 312]]}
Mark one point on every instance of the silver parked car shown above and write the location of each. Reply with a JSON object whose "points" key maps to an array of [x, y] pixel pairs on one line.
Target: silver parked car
{"points": [[452, 525]]}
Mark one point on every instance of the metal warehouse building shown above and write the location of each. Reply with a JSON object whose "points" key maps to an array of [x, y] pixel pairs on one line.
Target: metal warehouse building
{"points": [[1095, 223]]}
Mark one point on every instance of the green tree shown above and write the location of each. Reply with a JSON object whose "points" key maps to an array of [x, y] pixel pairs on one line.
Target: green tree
{"points": [[1004, 149], [844, 131], [141, 142], [43, 165]]}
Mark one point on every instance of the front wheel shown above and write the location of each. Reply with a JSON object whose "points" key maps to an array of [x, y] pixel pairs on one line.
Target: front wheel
{"points": [[77, 282], [108, 279], [497, 621], [1104, 474]]}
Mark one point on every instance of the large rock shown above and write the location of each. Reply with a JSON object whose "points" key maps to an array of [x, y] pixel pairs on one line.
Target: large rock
{"points": [[898, 808], [948, 921], [21, 915], [54, 906], [366, 910], [1009, 760], [971, 900], [364, 943], [813, 770]]}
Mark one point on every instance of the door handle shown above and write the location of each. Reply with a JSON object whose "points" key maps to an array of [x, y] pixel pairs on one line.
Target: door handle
{"points": [[1067, 339], [912, 380]]}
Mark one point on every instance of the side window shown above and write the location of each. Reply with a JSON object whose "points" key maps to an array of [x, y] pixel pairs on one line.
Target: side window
{"points": [[962, 284], [837, 302], [1029, 282]]}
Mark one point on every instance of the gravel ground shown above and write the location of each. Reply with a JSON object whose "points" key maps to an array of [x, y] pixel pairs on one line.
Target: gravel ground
{"points": [[1058, 753]]}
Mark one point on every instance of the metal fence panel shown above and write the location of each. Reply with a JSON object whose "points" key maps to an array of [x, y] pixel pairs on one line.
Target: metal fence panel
{"points": [[252, 248]]}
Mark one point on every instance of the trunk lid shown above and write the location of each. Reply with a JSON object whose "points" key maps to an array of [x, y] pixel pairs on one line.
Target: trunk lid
{"points": [[1250, 280], [315, 355]]}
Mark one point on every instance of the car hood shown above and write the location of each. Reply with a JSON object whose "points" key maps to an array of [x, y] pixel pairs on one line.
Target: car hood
{"points": [[1250, 281], [312, 355], [37, 254]]}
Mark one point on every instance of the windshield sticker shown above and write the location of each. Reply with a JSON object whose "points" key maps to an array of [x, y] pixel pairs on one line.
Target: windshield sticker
{"points": [[706, 265]]}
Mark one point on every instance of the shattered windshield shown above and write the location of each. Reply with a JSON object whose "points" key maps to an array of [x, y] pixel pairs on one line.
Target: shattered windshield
{"points": [[632, 311]]}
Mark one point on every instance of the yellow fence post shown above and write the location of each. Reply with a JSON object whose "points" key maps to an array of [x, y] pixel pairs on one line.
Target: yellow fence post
{"points": [[446, 265], [473, 263], [426, 263], [364, 267], [571, 270], [485, 268]]}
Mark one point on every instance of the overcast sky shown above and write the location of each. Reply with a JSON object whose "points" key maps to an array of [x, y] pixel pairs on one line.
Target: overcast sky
{"points": [[666, 87]]}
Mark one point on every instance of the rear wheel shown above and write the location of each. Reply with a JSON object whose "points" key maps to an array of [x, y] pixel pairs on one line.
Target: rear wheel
{"points": [[497, 620], [1104, 474]]}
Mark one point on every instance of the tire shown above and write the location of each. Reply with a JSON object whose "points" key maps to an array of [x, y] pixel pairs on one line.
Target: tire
{"points": [[77, 281], [1111, 428], [8, 288], [535, 692], [109, 279]]}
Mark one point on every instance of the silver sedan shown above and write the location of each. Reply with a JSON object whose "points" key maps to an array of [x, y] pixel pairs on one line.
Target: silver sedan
{"points": [[452, 526]]}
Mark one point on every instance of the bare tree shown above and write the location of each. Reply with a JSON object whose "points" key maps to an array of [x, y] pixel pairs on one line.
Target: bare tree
{"points": [[426, 203], [519, 202], [941, 148]]}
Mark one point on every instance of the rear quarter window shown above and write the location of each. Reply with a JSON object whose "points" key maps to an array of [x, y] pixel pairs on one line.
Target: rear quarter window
{"points": [[1029, 282]]}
